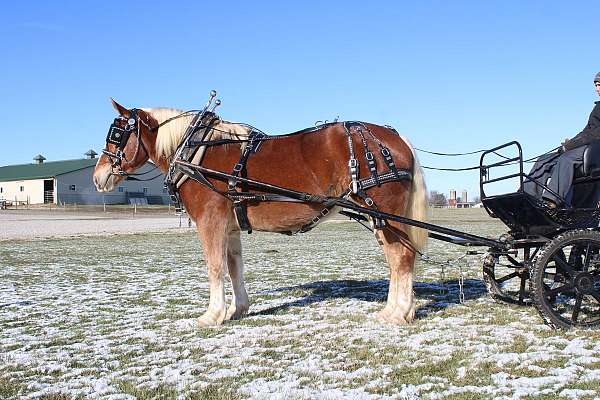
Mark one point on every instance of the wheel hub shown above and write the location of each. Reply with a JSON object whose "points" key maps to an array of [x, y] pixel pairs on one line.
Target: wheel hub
{"points": [[584, 283]]}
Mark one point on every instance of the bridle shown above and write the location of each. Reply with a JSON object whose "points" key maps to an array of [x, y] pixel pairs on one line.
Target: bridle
{"points": [[119, 136]]}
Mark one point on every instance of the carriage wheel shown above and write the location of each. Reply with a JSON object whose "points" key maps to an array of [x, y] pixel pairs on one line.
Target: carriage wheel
{"points": [[565, 280], [506, 283]]}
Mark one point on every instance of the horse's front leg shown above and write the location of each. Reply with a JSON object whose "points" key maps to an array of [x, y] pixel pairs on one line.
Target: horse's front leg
{"points": [[239, 302], [214, 238]]}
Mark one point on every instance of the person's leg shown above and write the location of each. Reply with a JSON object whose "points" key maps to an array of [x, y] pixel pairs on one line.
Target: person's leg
{"points": [[562, 176], [539, 174]]}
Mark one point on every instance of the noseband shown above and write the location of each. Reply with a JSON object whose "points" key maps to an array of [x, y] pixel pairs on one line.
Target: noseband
{"points": [[119, 136]]}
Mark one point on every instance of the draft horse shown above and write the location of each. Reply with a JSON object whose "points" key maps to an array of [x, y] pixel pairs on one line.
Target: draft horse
{"points": [[315, 161]]}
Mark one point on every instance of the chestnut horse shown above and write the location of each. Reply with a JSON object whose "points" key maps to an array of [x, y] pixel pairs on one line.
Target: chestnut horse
{"points": [[313, 162]]}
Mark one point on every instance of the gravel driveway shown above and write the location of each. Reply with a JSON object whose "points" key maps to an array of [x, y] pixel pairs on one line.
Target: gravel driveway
{"points": [[31, 224]]}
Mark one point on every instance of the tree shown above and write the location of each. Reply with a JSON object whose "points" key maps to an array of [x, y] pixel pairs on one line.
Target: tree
{"points": [[437, 199]]}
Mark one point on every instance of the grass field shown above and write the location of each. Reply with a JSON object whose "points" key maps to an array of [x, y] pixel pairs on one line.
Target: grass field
{"points": [[113, 317]]}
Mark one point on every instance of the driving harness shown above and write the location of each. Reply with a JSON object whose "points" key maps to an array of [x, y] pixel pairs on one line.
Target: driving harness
{"points": [[239, 185]]}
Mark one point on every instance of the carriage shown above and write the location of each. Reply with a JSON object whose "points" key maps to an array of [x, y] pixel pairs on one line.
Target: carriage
{"points": [[549, 257]]}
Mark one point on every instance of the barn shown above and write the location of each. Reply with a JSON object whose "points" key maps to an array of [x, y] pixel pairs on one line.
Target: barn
{"points": [[70, 182]]}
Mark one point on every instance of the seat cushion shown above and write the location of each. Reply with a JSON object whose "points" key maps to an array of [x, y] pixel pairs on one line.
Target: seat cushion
{"points": [[591, 159]]}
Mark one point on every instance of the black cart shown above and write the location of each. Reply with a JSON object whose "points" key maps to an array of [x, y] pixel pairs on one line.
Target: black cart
{"points": [[551, 256]]}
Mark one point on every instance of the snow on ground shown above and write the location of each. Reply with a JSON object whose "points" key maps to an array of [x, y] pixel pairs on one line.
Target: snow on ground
{"points": [[113, 317]]}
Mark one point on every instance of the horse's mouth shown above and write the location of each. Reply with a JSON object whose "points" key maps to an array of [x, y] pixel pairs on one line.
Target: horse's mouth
{"points": [[104, 180]]}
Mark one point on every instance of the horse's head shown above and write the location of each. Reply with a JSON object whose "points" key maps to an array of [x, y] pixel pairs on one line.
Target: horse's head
{"points": [[125, 150]]}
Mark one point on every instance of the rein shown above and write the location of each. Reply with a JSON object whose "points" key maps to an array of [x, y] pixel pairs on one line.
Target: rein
{"points": [[529, 160]]}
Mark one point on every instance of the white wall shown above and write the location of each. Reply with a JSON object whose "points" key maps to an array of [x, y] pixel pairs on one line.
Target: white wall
{"points": [[85, 191], [33, 190]]}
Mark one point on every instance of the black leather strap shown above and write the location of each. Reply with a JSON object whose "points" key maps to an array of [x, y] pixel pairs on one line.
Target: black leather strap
{"points": [[353, 165], [270, 192], [239, 203]]}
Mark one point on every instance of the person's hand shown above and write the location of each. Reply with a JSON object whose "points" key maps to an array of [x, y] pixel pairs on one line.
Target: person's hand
{"points": [[563, 145]]}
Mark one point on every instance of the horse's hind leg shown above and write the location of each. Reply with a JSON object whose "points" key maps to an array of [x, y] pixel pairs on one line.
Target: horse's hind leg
{"points": [[400, 307], [239, 302]]}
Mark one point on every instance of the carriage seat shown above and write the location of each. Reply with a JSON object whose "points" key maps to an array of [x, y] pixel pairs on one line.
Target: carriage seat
{"points": [[590, 169]]}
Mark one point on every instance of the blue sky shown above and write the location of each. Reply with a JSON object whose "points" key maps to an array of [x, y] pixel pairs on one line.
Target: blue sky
{"points": [[453, 76]]}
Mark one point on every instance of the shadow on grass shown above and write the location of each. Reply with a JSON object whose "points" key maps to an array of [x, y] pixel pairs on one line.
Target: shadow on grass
{"points": [[440, 295]]}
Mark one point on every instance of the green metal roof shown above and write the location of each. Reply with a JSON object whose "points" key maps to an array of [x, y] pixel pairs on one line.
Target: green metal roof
{"points": [[45, 170]]}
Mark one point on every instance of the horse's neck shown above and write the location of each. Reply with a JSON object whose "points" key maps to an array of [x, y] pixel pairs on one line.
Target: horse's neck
{"points": [[150, 142]]}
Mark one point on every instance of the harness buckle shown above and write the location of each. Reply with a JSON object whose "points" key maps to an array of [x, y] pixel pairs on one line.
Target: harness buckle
{"points": [[369, 201], [353, 163], [369, 156], [238, 167], [385, 152]]}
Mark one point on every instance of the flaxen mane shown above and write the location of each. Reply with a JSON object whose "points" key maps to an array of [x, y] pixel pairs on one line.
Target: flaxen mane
{"points": [[169, 135]]}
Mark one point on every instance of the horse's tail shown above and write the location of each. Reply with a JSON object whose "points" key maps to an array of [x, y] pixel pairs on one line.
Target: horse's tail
{"points": [[417, 207]]}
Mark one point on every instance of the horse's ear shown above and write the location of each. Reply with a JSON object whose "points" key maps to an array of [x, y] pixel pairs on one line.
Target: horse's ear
{"points": [[120, 109]]}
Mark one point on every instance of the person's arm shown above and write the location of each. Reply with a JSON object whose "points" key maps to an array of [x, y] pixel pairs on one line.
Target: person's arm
{"points": [[590, 133]]}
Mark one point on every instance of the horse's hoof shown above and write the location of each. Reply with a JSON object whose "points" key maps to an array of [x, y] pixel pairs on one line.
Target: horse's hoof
{"points": [[395, 317], [235, 313], [209, 319], [383, 314]]}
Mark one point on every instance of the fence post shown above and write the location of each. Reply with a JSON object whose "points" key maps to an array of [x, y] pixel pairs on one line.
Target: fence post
{"points": [[16, 203]]}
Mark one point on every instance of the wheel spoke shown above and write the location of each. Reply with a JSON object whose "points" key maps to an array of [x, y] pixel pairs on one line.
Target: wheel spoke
{"points": [[555, 291], [586, 264], [507, 277], [563, 265], [576, 308], [550, 276], [595, 295], [522, 288]]}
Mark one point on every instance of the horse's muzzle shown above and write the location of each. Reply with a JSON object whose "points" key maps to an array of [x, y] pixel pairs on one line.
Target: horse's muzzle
{"points": [[104, 179]]}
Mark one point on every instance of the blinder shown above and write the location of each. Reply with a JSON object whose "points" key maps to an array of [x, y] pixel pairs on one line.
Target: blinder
{"points": [[119, 135]]}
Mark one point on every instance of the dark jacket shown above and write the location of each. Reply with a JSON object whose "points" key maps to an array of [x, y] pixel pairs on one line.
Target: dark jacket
{"points": [[590, 133]]}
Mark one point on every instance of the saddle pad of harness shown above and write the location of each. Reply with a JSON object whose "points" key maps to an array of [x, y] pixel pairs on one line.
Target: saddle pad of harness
{"points": [[217, 130]]}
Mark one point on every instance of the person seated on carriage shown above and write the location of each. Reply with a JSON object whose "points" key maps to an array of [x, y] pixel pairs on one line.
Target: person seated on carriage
{"points": [[557, 169]]}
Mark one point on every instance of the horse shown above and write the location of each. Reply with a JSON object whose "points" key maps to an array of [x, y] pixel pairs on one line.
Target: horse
{"points": [[315, 161]]}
